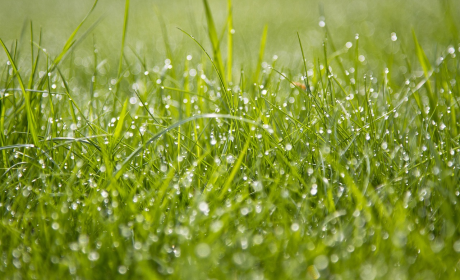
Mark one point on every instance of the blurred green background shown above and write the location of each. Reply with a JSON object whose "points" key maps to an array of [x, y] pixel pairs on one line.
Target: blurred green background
{"points": [[435, 23]]}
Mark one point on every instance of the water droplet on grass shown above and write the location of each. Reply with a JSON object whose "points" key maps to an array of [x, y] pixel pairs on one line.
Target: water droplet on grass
{"points": [[384, 145], [93, 256], [122, 269], [216, 226], [203, 206], [314, 191], [202, 250], [457, 246], [83, 239], [230, 159], [321, 262], [394, 37], [258, 239]]}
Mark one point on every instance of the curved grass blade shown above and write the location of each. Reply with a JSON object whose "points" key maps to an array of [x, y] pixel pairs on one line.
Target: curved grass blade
{"points": [[81, 140], [17, 146], [70, 40]]}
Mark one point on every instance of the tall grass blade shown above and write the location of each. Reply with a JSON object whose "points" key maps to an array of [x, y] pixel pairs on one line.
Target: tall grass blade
{"points": [[29, 112], [123, 38], [119, 127], [235, 169], [230, 41], [263, 41], [70, 40], [214, 38]]}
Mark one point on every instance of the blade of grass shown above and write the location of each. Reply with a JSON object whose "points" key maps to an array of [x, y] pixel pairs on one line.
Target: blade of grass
{"points": [[30, 116], [427, 70], [230, 41], [263, 41], [122, 51], [119, 127], [212, 34], [70, 40], [164, 33], [227, 102], [235, 169]]}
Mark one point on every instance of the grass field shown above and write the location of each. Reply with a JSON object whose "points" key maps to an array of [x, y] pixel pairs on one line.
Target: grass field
{"points": [[229, 140]]}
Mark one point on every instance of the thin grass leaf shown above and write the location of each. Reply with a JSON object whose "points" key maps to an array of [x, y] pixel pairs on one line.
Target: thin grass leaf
{"points": [[70, 40], [119, 127], [230, 32], [30, 115], [212, 34], [263, 41], [235, 169]]}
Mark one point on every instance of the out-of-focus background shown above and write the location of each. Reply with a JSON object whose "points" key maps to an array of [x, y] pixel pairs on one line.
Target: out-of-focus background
{"points": [[434, 22]]}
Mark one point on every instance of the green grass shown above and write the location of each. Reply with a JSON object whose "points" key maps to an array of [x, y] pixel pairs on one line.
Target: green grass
{"points": [[215, 158]]}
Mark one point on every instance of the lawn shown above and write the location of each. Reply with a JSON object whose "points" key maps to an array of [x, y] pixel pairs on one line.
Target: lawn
{"points": [[229, 139]]}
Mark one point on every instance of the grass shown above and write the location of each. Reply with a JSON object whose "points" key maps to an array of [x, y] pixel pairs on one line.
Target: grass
{"points": [[341, 162]]}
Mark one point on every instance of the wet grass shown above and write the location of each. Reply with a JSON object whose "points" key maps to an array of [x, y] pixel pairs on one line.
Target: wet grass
{"points": [[341, 165]]}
